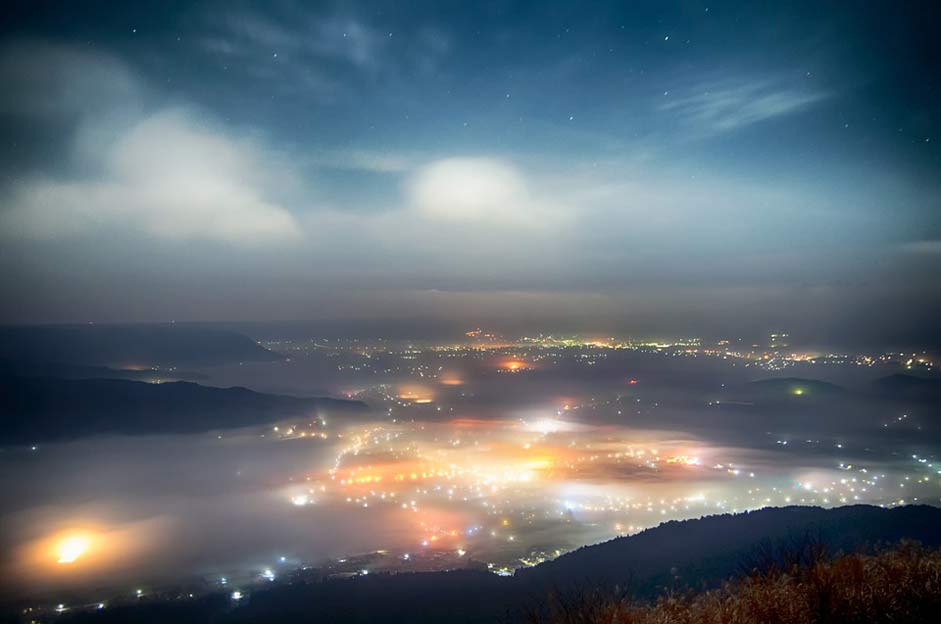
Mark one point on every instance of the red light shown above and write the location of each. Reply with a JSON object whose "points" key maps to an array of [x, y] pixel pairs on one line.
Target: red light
{"points": [[632, 382]]}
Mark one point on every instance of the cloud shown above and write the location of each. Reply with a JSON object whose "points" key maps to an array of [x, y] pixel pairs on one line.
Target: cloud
{"points": [[926, 247], [374, 161], [715, 108], [327, 55], [43, 81], [479, 190], [165, 177], [343, 40], [166, 174]]}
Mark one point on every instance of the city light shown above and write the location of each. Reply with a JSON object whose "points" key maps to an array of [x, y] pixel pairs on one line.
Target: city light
{"points": [[71, 548]]}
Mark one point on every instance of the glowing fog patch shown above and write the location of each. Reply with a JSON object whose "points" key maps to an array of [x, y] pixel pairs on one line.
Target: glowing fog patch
{"points": [[71, 548], [546, 426]]}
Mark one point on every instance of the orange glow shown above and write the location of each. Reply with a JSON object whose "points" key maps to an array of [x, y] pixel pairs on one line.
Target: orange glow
{"points": [[70, 556], [514, 366], [451, 379], [418, 394], [71, 548]]}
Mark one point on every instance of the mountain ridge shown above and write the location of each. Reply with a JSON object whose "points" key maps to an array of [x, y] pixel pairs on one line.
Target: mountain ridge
{"points": [[43, 409]]}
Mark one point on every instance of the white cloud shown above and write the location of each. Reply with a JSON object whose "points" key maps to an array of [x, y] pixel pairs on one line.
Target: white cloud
{"points": [[317, 52], [166, 177], [165, 174], [479, 190], [342, 39], [714, 108], [928, 247]]}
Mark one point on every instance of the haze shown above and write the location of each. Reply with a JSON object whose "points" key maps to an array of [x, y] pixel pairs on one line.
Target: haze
{"points": [[294, 293], [682, 168]]}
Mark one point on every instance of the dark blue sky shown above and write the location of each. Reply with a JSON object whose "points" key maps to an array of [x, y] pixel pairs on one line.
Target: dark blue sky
{"points": [[663, 166]]}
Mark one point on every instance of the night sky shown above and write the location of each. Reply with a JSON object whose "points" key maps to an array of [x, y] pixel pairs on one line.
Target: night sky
{"points": [[692, 166]]}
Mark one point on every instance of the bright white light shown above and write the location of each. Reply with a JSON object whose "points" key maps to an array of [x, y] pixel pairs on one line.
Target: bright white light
{"points": [[547, 425]]}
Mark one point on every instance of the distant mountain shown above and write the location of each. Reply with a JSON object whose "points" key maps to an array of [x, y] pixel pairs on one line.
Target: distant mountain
{"points": [[78, 371], [128, 346], [694, 553], [793, 387], [35, 409], [908, 387]]}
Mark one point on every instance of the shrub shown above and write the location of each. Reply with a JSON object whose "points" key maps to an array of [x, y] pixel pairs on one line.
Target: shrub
{"points": [[902, 585]]}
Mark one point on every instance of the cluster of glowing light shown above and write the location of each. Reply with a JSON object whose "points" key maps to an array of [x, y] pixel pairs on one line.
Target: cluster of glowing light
{"points": [[683, 459], [416, 394]]}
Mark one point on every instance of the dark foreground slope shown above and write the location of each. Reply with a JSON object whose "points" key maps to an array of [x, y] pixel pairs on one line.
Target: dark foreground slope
{"points": [[708, 550], [718, 548], [900, 585], [39, 409]]}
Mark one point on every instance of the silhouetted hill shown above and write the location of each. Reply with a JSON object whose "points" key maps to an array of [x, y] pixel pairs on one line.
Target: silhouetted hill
{"points": [[710, 549], [788, 387], [41, 409], [79, 371], [128, 346], [695, 553], [908, 387]]}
